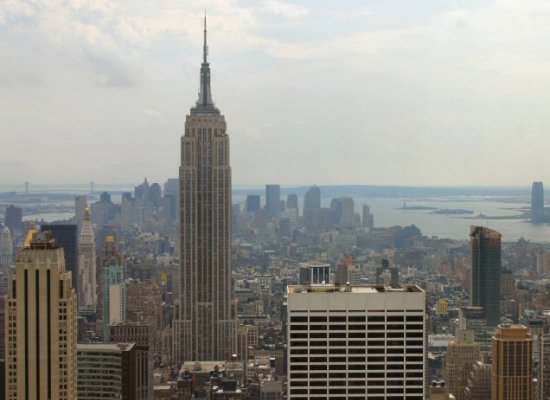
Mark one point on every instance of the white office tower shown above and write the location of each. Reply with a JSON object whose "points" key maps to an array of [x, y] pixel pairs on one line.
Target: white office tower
{"points": [[356, 342], [87, 293]]}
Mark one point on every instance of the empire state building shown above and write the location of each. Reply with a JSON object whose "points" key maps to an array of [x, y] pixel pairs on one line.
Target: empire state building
{"points": [[207, 324]]}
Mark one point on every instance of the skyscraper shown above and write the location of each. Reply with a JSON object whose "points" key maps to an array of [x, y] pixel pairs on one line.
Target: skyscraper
{"points": [[114, 288], [207, 324], [486, 266], [512, 375], [462, 352], [537, 202], [356, 342], [273, 199], [312, 206], [6, 247], [41, 324], [87, 293], [252, 203]]}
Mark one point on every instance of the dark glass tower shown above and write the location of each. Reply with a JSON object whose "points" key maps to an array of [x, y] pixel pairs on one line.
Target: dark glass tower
{"points": [[486, 268], [66, 236], [537, 202]]}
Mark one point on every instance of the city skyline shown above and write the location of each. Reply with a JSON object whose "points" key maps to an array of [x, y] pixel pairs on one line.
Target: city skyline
{"points": [[372, 82]]}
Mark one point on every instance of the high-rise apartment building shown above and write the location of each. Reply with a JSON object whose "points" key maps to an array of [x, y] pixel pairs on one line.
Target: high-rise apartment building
{"points": [[356, 342], [66, 236], [462, 353], [486, 270], [106, 371], [41, 325], [87, 294], [512, 374], [537, 202], [207, 325], [273, 199]]}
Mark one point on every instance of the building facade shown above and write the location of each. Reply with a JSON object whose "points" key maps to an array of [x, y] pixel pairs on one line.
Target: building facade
{"points": [[486, 272], [106, 371], [205, 234], [142, 335], [273, 199], [356, 342], [41, 324], [462, 353], [87, 294], [512, 373]]}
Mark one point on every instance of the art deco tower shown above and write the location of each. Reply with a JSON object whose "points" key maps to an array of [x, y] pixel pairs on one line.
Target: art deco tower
{"points": [[87, 293], [41, 324], [206, 329]]}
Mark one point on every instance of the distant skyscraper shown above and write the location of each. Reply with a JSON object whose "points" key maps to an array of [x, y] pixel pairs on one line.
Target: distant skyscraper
{"points": [[66, 236], [312, 199], [14, 218], [486, 270], [367, 218], [207, 325], [41, 321], [273, 199], [312, 206], [512, 376], [87, 292], [386, 275], [537, 202], [356, 342], [292, 201], [252, 203], [6, 247]]}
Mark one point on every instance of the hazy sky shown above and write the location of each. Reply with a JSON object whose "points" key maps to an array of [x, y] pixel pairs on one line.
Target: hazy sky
{"points": [[410, 92]]}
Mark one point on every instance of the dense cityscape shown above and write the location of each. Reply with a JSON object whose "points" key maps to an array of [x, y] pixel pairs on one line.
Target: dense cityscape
{"points": [[194, 289]]}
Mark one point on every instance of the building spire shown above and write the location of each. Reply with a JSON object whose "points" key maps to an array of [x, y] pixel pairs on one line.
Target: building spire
{"points": [[205, 104], [205, 45]]}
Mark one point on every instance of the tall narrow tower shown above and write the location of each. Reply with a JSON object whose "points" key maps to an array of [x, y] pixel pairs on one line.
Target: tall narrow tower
{"points": [[87, 292], [206, 329], [486, 266], [41, 324]]}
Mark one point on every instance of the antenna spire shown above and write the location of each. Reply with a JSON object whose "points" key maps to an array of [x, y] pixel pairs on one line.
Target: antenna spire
{"points": [[205, 46]]}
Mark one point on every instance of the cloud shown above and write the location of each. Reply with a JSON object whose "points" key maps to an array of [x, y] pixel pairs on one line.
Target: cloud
{"points": [[287, 10]]}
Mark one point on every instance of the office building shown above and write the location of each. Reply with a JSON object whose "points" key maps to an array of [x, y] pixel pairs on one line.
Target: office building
{"points": [[473, 319], [87, 294], [66, 236], [205, 234], [2, 347], [367, 219], [479, 382], [544, 365], [486, 270], [462, 352], [41, 324], [356, 342], [512, 375], [537, 202], [106, 371], [113, 288], [312, 199], [142, 335], [273, 199], [252, 203]]}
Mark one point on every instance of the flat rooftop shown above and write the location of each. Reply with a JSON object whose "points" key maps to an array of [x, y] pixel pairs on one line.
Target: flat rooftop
{"points": [[330, 288]]}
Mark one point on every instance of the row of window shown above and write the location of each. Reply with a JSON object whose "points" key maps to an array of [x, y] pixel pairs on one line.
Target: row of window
{"points": [[358, 318]]}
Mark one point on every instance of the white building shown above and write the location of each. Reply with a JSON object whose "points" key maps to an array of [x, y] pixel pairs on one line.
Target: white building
{"points": [[356, 342]]}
